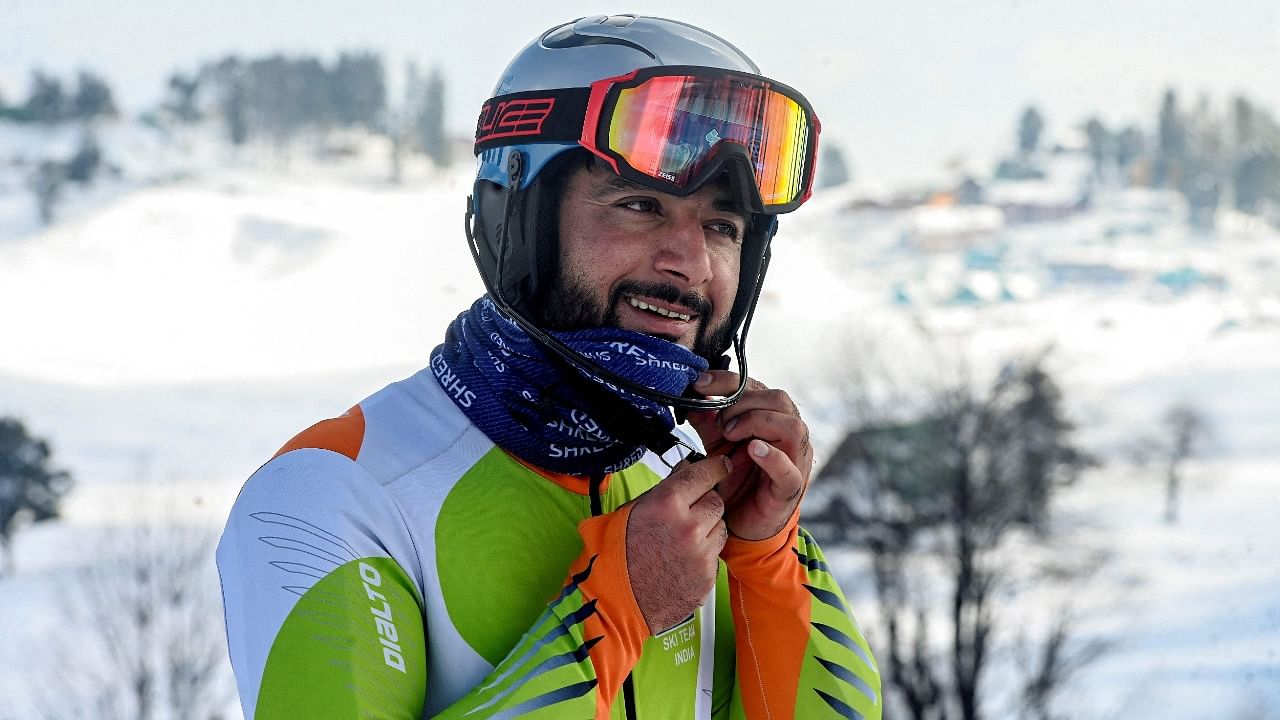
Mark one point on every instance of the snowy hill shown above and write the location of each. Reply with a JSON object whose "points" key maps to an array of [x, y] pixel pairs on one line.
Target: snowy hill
{"points": [[172, 333]]}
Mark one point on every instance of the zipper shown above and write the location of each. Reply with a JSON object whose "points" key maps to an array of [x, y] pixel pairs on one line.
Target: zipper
{"points": [[594, 483], [629, 697], [597, 508]]}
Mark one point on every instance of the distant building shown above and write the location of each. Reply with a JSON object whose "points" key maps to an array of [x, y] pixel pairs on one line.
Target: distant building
{"points": [[984, 258], [1090, 274], [969, 192], [1141, 211], [1060, 189], [877, 480], [964, 295], [1185, 279], [941, 228]]}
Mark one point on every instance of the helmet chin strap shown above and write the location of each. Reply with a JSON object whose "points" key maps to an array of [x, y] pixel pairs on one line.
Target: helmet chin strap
{"points": [[618, 416]]}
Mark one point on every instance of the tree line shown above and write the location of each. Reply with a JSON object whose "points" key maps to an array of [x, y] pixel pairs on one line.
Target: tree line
{"points": [[49, 102], [273, 98], [278, 98], [1214, 158], [270, 100]]}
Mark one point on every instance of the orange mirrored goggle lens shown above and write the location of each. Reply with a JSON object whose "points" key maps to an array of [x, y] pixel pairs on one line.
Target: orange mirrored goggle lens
{"points": [[668, 127]]}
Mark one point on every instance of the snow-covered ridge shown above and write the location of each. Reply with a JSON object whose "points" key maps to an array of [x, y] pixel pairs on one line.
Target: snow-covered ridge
{"points": [[236, 271]]}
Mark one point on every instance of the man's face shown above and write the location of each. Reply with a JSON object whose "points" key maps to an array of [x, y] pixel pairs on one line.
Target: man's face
{"points": [[646, 261]]}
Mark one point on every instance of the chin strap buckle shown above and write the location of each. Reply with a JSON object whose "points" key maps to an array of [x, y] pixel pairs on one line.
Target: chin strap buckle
{"points": [[691, 454]]}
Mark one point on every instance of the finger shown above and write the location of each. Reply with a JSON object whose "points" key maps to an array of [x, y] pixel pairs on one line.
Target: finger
{"points": [[708, 510], [739, 482], [784, 431], [722, 383], [718, 536], [762, 399], [786, 482], [689, 484]]}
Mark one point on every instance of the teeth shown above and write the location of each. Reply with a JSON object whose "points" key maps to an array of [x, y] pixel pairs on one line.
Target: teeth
{"points": [[654, 309]]}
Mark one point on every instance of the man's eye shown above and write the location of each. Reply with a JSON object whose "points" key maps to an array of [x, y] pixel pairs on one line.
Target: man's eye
{"points": [[729, 230], [639, 205]]}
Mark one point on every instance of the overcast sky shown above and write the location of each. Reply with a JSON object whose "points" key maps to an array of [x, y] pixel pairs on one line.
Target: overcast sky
{"points": [[901, 86]]}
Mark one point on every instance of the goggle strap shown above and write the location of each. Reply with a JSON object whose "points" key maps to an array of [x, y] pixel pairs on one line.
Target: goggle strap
{"points": [[532, 116]]}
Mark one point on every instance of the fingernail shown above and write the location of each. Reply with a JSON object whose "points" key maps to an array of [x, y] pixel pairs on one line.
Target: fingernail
{"points": [[728, 464], [759, 448], [729, 427], [703, 379]]}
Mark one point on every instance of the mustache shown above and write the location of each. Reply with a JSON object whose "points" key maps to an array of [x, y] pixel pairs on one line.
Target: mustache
{"points": [[693, 301]]}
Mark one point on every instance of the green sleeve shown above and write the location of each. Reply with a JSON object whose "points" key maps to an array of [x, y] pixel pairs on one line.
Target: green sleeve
{"points": [[354, 647]]}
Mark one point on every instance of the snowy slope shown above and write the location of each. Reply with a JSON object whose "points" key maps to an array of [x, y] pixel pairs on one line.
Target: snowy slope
{"points": [[181, 331], [236, 276]]}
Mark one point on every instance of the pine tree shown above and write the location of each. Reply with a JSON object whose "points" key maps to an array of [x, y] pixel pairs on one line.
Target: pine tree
{"points": [[47, 103], [30, 488], [1128, 146], [435, 141], [227, 81], [47, 184], [1242, 120], [1256, 178], [88, 159], [93, 97], [1171, 144], [832, 168], [359, 90], [1100, 144], [236, 115], [1030, 126], [181, 97], [431, 130]]}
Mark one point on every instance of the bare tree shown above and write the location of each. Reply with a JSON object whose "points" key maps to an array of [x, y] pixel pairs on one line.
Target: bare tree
{"points": [[1187, 429], [145, 635], [1051, 667], [46, 183], [948, 485]]}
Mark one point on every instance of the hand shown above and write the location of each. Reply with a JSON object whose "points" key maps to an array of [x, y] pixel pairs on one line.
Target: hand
{"points": [[769, 444], [674, 536]]}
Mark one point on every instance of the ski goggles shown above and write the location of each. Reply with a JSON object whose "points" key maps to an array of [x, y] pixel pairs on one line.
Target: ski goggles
{"points": [[672, 128]]}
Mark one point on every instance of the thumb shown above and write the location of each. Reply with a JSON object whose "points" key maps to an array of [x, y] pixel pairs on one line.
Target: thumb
{"points": [[786, 483], [694, 480]]}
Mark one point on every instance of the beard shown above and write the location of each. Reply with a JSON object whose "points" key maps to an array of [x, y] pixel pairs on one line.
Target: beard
{"points": [[569, 305]]}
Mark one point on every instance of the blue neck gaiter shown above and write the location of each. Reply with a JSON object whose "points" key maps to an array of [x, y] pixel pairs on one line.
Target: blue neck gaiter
{"points": [[506, 384]]}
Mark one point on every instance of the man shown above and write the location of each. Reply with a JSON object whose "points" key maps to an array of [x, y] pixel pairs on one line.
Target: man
{"points": [[520, 529]]}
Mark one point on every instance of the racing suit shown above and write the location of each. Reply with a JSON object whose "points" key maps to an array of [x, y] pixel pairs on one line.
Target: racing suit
{"points": [[395, 563]]}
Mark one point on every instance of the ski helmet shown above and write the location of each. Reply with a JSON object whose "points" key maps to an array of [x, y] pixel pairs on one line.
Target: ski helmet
{"points": [[528, 130]]}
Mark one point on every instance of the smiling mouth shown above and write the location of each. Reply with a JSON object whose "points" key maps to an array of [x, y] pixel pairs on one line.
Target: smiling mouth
{"points": [[663, 312]]}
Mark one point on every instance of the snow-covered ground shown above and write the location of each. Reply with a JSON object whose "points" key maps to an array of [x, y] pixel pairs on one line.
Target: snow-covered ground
{"points": [[169, 335]]}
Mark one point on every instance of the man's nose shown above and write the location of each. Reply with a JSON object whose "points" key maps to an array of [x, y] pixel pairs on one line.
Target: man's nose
{"points": [[682, 251]]}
